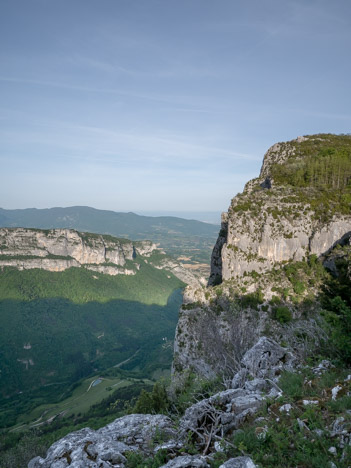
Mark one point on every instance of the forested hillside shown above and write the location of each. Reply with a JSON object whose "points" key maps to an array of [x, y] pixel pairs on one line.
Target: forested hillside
{"points": [[58, 327]]}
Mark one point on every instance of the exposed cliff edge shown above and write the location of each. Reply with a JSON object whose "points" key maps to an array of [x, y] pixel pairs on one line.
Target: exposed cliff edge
{"points": [[296, 211], [298, 206], [60, 249]]}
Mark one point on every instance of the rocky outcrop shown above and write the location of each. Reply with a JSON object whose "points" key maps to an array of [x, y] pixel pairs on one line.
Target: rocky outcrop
{"points": [[50, 264], [211, 343], [216, 259], [272, 223], [187, 461], [59, 249], [111, 270], [107, 446], [179, 271], [267, 359], [239, 462], [338, 232], [269, 223], [82, 248], [227, 410], [257, 243]]}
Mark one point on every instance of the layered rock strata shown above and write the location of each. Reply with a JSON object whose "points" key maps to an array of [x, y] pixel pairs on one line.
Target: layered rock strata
{"points": [[59, 249], [268, 223]]}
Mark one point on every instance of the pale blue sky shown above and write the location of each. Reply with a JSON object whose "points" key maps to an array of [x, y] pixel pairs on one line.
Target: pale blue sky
{"points": [[136, 105]]}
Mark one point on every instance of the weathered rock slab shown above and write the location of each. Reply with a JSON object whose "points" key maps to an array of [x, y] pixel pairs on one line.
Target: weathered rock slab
{"points": [[107, 446], [187, 461], [239, 462], [267, 359], [222, 412]]}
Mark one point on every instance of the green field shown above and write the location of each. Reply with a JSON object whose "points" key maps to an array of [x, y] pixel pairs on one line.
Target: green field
{"points": [[89, 392]]}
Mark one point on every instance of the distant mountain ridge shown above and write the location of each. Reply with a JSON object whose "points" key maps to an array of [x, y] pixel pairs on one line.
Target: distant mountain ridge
{"points": [[84, 218], [176, 235]]}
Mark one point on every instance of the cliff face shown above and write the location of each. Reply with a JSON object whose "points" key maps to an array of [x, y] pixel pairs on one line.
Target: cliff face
{"points": [[273, 222], [60, 249], [298, 207]]}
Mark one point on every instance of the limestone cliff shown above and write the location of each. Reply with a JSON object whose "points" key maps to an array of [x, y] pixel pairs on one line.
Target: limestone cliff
{"points": [[273, 221], [59, 249], [297, 209]]}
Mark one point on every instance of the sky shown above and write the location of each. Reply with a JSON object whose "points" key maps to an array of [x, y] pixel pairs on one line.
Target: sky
{"points": [[162, 105]]}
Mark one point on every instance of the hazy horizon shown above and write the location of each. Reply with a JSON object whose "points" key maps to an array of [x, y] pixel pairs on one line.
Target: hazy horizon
{"points": [[212, 217]]}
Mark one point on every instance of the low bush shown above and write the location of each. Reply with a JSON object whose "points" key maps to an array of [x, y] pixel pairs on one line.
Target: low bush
{"points": [[282, 314]]}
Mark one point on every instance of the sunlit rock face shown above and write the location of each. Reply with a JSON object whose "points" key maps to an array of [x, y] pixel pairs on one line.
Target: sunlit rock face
{"points": [[280, 217], [59, 249], [270, 222]]}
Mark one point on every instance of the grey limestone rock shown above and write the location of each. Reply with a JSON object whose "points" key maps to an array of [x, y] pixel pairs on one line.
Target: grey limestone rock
{"points": [[256, 385], [35, 462], [239, 462], [285, 408], [255, 242], [179, 271], [223, 411], [322, 367], [187, 461], [134, 427], [76, 248], [337, 231], [216, 259], [217, 341], [338, 427], [239, 379], [264, 227], [267, 359], [106, 447], [60, 249]]}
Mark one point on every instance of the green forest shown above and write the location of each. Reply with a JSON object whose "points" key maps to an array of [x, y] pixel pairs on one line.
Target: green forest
{"points": [[318, 163], [318, 174], [57, 328], [149, 285]]}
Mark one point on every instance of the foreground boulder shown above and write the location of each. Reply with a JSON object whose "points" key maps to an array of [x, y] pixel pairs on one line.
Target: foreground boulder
{"points": [[187, 461], [106, 447], [239, 462], [214, 417], [267, 359]]}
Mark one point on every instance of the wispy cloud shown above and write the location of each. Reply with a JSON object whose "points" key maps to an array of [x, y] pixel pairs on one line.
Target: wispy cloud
{"points": [[103, 145], [181, 67], [178, 102]]}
